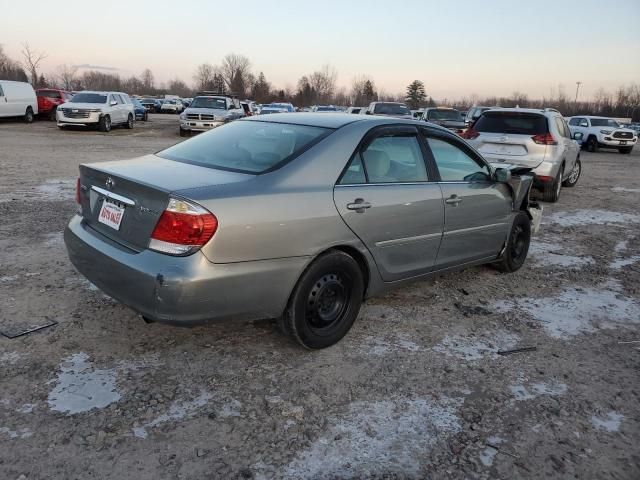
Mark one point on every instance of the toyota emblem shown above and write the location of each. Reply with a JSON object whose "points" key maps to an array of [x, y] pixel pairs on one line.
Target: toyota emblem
{"points": [[109, 183]]}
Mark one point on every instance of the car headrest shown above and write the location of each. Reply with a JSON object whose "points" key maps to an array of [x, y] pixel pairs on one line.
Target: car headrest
{"points": [[377, 163]]}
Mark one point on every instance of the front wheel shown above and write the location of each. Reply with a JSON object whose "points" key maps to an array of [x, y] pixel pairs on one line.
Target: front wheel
{"points": [[625, 150], [28, 115], [592, 144], [517, 247], [105, 123], [183, 132], [574, 175], [325, 302]]}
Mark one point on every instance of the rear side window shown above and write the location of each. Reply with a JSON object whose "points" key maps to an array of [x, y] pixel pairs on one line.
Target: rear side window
{"points": [[247, 146], [561, 127], [512, 122], [50, 94], [455, 165]]}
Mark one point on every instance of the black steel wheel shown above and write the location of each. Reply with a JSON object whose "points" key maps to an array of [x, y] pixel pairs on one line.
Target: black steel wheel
{"points": [[517, 246]]}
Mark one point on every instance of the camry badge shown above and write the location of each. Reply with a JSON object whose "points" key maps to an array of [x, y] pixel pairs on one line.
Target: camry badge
{"points": [[109, 183]]}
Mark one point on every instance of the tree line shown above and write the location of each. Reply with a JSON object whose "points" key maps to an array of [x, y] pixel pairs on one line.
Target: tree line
{"points": [[234, 74]]}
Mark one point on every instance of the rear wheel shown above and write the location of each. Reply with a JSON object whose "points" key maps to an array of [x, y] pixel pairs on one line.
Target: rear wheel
{"points": [[28, 115], [325, 302], [517, 246], [592, 144], [52, 115], [129, 123], [551, 191], [574, 175], [105, 123], [625, 149]]}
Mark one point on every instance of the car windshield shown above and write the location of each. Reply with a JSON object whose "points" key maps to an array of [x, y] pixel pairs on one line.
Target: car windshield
{"points": [[604, 122], [171, 102], [209, 102], [517, 123], [443, 115], [326, 109], [392, 109], [246, 146], [89, 98]]}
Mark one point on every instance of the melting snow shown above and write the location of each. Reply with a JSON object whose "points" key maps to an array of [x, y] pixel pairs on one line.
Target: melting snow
{"points": [[520, 392], [488, 454], [81, 387], [24, 432], [577, 311], [548, 254], [10, 358], [592, 217], [474, 348], [624, 189], [610, 423], [390, 436]]}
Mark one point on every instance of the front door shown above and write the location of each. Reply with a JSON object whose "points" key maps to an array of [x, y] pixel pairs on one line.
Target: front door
{"points": [[477, 209], [387, 200]]}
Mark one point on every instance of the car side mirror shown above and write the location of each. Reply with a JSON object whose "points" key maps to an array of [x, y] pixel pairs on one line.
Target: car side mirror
{"points": [[367, 112], [113, 103], [578, 136], [502, 175]]}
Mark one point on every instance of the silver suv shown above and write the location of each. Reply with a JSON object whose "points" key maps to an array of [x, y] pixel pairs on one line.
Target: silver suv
{"points": [[532, 138]]}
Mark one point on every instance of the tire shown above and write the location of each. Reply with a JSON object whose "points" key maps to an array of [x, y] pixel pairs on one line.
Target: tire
{"points": [[551, 192], [61, 127], [183, 132], [146, 117], [574, 175], [28, 115], [517, 246], [592, 144], [52, 115], [625, 150], [129, 123], [105, 123], [325, 302]]}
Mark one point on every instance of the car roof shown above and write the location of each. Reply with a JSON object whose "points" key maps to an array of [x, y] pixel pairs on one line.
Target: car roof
{"points": [[337, 120], [521, 110]]}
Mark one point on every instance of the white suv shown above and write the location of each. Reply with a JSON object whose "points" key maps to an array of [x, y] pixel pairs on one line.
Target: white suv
{"points": [[602, 132], [101, 109], [530, 138]]}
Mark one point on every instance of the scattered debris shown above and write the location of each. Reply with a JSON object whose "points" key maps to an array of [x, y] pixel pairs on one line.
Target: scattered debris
{"points": [[18, 328], [517, 350], [499, 450], [467, 310]]}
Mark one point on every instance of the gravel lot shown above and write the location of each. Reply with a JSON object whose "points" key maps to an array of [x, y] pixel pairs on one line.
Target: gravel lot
{"points": [[415, 390]]}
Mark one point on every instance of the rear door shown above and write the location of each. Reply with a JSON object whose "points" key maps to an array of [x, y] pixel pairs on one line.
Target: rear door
{"points": [[476, 209], [511, 137], [387, 199]]}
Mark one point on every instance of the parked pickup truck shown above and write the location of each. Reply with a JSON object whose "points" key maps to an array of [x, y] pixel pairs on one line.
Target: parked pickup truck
{"points": [[445, 117], [209, 111], [602, 132]]}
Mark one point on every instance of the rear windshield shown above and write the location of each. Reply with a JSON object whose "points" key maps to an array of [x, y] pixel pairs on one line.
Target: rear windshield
{"points": [[512, 122], [326, 109], [391, 109], [246, 146], [89, 98], [209, 102], [604, 122], [443, 115]]}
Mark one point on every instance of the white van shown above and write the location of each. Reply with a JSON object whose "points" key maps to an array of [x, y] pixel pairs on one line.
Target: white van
{"points": [[18, 99]]}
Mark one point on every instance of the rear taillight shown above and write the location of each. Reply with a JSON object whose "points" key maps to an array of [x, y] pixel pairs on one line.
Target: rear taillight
{"points": [[78, 191], [470, 134], [544, 139], [183, 228]]}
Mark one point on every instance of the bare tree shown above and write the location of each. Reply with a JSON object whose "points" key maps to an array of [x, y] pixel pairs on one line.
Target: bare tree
{"points": [[31, 61], [66, 76], [178, 87], [147, 79], [204, 76], [235, 70], [323, 82]]}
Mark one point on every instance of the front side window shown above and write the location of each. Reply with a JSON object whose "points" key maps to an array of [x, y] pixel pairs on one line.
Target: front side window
{"points": [[604, 122], [574, 122], [246, 146], [584, 122], [455, 165], [394, 158]]}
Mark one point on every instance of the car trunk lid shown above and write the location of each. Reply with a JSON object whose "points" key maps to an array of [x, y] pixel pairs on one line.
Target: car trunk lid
{"points": [[137, 192]]}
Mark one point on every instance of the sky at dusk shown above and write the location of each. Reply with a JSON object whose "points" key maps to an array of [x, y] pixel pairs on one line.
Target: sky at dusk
{"points": [[459, 48]]}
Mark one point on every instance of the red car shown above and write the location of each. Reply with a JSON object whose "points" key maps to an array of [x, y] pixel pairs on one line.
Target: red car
{"points": [[49, 99]]}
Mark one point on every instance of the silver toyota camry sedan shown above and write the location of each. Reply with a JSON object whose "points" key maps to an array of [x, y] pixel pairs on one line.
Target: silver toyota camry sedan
{"points": [[295, 216]]}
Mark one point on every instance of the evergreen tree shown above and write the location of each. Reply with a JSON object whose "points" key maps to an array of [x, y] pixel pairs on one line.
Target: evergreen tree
{"points": [[416, 94]]}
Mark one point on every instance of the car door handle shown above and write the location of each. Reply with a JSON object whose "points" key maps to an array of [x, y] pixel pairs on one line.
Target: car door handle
{"points": [[359, 205], [453, 200]]}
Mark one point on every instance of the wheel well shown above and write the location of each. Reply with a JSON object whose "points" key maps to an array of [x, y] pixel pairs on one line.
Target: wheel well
{"points": [[359, 258]]}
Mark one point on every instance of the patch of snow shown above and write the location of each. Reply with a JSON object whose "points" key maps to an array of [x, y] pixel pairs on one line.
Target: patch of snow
{"points": [[520, 392], [26, 408], [624, 189], [609, 423], [579, 310], [592, 217], [390, 436], [487, 456], [384, 346], [56, 189], [231, 409], [9, 278], [10, 357], [54, 239], [24, 432], [468, 348], [548, 254], [81, 387], [177, 411], [624, 262], [621, 246]]}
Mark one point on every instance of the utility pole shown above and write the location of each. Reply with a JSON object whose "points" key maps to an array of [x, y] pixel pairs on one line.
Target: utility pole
{"points": [[577, 88]]}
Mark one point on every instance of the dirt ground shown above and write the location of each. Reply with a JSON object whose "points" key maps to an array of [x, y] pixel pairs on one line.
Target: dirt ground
{"points": [[416, 389]]}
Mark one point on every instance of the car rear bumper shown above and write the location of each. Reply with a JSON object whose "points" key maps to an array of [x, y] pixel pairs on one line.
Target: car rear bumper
{"points": [[182, 290]]}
